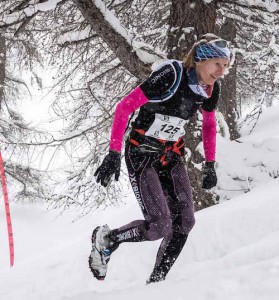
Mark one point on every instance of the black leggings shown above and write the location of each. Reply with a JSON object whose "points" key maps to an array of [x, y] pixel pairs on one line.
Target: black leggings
{"points": [[165, 198]]}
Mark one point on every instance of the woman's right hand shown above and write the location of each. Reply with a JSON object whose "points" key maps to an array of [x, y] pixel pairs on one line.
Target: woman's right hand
{"points": [[109, 167]]}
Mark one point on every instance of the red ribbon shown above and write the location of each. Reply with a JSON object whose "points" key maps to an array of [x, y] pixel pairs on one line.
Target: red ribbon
{"points": [[7, 208]]}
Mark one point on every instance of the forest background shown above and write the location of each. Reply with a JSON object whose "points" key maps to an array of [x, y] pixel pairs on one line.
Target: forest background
{"points": [[86, 55]]}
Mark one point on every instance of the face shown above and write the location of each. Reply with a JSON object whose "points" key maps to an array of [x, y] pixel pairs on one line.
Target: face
{"points": [[211, 69]]}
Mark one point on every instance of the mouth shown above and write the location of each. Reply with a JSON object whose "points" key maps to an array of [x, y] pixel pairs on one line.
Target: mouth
{"points": [[215, 78]]}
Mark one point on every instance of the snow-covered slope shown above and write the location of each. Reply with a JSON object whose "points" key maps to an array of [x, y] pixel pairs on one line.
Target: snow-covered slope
{"points": [[232, 252]]}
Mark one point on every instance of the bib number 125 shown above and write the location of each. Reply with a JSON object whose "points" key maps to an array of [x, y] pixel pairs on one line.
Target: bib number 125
{"points": [[167, 128]]}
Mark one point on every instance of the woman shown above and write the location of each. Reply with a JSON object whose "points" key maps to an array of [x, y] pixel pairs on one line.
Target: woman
{"points": [[167, 99]]}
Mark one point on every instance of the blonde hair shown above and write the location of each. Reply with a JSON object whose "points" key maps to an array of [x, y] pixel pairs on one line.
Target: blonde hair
{"points": [[188, 59]]}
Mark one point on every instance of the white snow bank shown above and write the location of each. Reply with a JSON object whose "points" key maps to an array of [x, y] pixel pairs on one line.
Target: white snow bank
{"points": [[232, 253]]}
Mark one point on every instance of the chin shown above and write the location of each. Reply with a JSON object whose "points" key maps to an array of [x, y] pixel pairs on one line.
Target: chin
{"points": [[211, 81]]}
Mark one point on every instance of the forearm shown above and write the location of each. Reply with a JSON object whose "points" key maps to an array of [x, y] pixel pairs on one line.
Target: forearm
{"points": [[209, 135]]}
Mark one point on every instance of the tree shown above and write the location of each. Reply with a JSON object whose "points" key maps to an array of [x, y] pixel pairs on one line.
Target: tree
{"points": [[257, 41], [228, 100], [88, 9], [96, 70], [25, 179]]}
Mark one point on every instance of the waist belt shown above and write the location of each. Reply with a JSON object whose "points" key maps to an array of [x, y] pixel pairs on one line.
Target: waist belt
{"points": [[152, 145], [146, 143]]}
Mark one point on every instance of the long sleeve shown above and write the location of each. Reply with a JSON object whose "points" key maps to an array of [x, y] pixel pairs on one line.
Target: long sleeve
{"points": [[121, 117], [209, 134]]}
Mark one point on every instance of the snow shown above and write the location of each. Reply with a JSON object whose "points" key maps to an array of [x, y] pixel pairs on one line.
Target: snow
{"points": [[30, 10], [48, 5], [74, 36], [232, 252], [269, 5], [111, 19]]}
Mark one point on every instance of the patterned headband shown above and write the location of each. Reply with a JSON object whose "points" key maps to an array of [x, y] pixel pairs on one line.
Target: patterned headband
{"points": [[211, 50]]}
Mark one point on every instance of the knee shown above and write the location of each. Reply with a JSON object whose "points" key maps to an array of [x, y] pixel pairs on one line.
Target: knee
{"points": [[160, 228], [165, 228]]}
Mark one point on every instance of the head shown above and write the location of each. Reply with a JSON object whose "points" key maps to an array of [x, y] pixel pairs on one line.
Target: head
{"points": [[210, 57]]}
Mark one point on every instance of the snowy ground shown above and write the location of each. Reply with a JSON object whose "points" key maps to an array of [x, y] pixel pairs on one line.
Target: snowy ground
{"points": [[232, 252]]}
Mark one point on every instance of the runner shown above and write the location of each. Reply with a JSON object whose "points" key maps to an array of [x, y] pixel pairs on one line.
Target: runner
{"points": [[167, 99]]}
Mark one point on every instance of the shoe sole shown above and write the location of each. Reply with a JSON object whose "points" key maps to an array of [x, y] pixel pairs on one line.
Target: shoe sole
{"points": [[94, 272]]}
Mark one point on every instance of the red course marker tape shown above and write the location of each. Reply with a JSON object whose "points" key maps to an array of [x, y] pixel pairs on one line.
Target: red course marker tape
{"points": [[7, 208]]}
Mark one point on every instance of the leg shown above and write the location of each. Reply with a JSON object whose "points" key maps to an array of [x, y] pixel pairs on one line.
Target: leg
{"points": [[178, 189], [154, 204], [151, 198], [179, 192], [168, 252]]}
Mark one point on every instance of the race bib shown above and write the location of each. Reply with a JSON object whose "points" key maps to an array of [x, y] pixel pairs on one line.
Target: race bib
{"points": [[166, 128]]}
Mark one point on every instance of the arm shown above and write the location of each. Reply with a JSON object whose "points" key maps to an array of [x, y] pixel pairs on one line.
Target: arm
{"points": [[209, 179], [209, 134], [111, 163], [123, 110], [153, 89]]}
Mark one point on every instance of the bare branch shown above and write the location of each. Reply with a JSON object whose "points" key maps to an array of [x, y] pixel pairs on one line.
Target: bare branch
{"points": [[24, 24], [78, 42]]}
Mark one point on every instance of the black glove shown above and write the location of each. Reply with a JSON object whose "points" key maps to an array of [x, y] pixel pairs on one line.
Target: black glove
{"points": [[109, 166], [209, 178]]}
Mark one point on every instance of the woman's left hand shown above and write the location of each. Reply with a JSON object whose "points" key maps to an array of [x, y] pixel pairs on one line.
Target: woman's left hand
{"points": [[209, 178]]}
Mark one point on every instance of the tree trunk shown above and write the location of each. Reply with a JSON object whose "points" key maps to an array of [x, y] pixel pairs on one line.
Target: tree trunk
{"points": [[190, 19], [116, 42], [228, 103], [187, 20]]}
